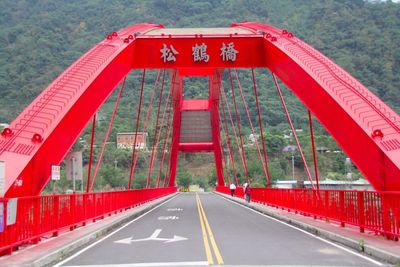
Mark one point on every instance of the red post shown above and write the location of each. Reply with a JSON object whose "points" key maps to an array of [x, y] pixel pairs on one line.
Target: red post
{"points": [[327, 214], [386, 219], [342, 208], [56, 203], [37, 219], [361, 211], [72, 210]]}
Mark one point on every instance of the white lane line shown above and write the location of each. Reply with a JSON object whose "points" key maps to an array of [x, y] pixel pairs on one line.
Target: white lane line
{"points": [[110, 234], [305, 232], [149, 264]]}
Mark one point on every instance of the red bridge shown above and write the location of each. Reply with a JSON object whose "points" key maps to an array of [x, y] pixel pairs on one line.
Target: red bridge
{"points": [[41, 136]]}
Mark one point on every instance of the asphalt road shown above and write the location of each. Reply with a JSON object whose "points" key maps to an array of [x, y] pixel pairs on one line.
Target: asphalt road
{"points": [[206, 229]]}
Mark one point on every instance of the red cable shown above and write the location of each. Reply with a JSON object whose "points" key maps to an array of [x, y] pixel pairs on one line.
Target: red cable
{"points": [[234, 130], [146, 122], [91, 153], [293, 130], [155, 134], [167, 105], [168, 130], [136, 131], [107, 135], [225, 165], [261, 127], [168, 168], [313, 149], [251, 127], [228, 142], [238, 125]]}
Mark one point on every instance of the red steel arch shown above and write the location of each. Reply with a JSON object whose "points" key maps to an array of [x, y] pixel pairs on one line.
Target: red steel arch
{"points": [[366, 128]]}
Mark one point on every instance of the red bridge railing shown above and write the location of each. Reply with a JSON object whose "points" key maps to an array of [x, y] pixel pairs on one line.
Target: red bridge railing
{"points": [[41, 216], [375, 211]]}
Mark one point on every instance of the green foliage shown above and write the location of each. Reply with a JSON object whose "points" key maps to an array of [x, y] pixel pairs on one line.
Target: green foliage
{"points": [[40, 39], [183, 178]]}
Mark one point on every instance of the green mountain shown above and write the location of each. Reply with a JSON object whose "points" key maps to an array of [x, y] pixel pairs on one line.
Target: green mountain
{"points": [[40, 38]]}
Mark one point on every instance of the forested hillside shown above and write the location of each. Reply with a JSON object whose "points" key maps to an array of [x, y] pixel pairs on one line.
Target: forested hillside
{"points": [[40, 38]]}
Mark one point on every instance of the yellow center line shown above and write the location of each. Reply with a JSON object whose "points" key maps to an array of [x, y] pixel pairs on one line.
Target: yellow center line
{"points": [[210, 234], [203, 230]]}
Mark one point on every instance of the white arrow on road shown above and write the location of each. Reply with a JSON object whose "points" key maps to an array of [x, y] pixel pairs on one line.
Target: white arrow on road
{"points": [[153, 237]]}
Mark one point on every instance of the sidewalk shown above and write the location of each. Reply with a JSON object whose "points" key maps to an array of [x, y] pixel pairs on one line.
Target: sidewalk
{"points": [[52, 250], [375, 246]]}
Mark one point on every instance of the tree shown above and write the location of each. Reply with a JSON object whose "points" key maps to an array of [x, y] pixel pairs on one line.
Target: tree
{"points": [[184, 179]]}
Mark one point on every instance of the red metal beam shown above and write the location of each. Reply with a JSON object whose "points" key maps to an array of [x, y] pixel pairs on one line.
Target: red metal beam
{"points": [[44, 132], [196, 147]]}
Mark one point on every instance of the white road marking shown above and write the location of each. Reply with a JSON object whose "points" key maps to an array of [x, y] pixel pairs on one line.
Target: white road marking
{"points": [[167, 218], [153, 237], [110, 234], [175, 209], [305, 232], [149, 264]]}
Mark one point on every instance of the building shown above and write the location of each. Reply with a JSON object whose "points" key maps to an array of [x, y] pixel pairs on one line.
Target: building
{"points": [[360, 184], [127, 140]]}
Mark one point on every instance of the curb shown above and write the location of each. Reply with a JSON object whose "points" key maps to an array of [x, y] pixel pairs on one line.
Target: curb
{"points": [[66, 250], [368, 250]]}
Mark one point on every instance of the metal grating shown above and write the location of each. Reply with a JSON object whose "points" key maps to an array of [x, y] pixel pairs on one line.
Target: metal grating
{"points": [[195, 127], [392, 144]]}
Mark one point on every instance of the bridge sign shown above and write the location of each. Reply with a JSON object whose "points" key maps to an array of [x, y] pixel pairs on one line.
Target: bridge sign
{"points": [[12, 211], [55, 172]]}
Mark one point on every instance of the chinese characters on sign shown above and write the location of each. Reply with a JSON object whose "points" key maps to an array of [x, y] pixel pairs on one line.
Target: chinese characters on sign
{"points": [[228, 52], [168, 53], [199, 53]]}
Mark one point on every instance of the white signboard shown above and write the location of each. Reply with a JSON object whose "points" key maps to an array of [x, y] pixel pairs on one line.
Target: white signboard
{"points": [[12, 211], [73, 163], [2, 178], [55, 172]]}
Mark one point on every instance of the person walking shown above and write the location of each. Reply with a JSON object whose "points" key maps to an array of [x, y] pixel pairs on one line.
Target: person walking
{"points": [[232, 187], [247, 193], [244, 189]]}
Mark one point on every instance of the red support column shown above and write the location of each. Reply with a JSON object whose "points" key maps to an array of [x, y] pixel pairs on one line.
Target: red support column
{"points": [[176, 124], [214, 87]]}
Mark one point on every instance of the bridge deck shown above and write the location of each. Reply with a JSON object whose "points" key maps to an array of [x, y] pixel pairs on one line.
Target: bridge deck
{"points": [[171, 235]]}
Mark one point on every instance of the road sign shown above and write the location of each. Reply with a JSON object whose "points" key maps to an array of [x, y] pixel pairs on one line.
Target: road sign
{"points": [[2, 178], [153, 237], [73, 162], [55, 172]]}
